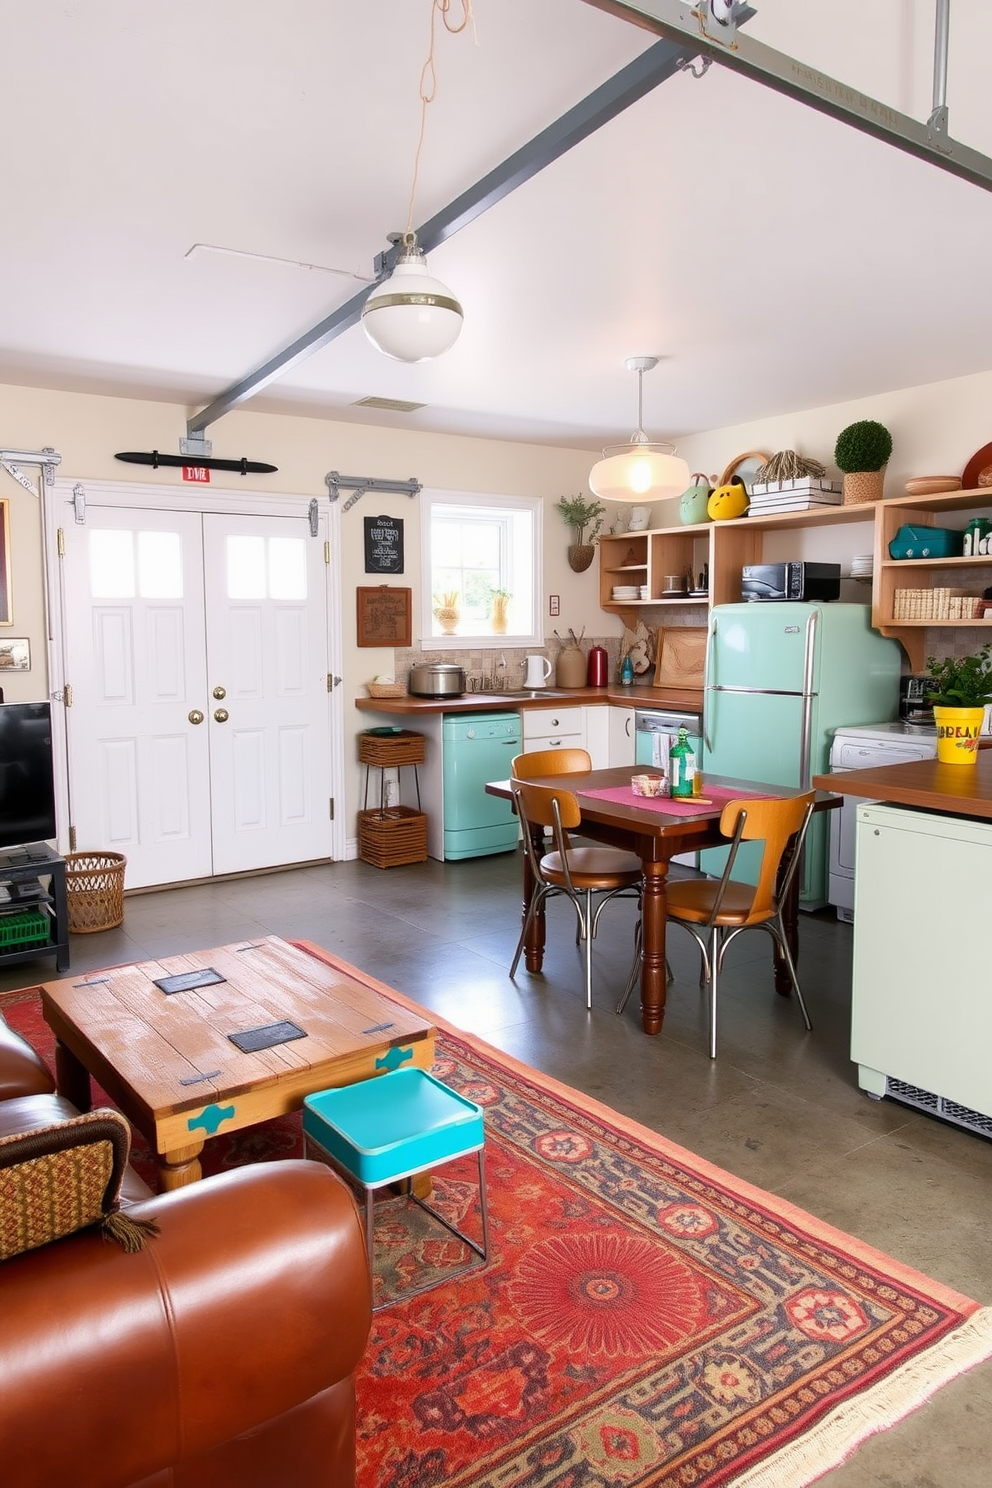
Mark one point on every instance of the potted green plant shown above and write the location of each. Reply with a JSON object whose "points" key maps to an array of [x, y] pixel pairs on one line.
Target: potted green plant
{"points": [[862, 452], [580, 514], [962, 685]]}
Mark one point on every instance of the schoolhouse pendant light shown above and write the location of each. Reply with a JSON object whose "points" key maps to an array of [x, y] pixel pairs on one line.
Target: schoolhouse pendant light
{"points": [[642, 470], [411, 316]]}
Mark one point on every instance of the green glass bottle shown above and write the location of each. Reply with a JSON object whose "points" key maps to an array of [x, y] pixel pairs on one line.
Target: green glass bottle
{"points": [[682, 765]]}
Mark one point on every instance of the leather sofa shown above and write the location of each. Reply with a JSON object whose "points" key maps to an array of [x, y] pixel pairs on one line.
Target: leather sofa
{"points": [[220, 1355]]}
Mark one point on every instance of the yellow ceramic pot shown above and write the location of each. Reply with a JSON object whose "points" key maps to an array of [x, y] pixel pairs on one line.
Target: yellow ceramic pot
{"points": [[957, 734]]}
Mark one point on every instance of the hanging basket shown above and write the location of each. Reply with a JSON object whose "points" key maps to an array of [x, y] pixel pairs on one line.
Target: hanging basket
{"points": [[94, 887], [580, 555]]}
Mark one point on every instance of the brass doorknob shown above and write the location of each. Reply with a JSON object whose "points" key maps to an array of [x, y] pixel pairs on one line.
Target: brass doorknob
{"points": [[221, 715], [195, 716], [220, 692]]}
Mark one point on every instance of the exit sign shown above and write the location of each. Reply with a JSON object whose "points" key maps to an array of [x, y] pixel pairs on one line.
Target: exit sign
{"points": [[198, 473]]}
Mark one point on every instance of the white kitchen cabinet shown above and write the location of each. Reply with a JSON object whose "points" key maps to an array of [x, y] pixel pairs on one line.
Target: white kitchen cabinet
{"points": [[921, 1015], [622, 742], [554, 728], [597, 726]]}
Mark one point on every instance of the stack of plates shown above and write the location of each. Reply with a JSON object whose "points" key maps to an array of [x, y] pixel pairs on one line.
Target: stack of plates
{"points": [[625, 591], [861, 566]]}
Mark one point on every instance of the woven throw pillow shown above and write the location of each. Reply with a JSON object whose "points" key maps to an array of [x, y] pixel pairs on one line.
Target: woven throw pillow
{"points": [[64, 1178]]}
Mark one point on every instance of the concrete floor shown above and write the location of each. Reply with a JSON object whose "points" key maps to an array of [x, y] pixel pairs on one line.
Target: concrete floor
{"points": [[780, 1107]]}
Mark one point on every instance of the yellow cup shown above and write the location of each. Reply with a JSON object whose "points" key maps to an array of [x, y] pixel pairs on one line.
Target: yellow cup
{"points": [[957, 734]]}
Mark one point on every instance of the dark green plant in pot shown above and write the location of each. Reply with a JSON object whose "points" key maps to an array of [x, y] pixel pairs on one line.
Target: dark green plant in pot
{"points": [[962, 681], [865, 445]]}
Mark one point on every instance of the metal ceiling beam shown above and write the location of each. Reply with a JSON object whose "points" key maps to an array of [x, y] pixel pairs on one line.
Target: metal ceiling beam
{"points": [[798, 80], [631, 83]]}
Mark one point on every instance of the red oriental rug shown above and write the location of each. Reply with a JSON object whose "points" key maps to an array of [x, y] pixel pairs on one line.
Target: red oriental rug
{"points": [[644, 1318]]}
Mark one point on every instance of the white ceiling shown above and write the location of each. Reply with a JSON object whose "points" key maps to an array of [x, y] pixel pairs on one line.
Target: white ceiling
{"points": [[774, 258]]}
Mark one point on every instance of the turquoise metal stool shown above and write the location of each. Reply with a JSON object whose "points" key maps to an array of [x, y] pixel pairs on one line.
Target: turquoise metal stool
{"points": [[389, 1129]]}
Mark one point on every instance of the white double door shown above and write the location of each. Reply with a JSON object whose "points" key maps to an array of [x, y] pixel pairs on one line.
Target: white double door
{"points": [[196, 650]]}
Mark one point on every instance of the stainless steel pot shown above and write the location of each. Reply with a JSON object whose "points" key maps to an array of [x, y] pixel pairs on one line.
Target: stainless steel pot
{"points": [[440, 680]]}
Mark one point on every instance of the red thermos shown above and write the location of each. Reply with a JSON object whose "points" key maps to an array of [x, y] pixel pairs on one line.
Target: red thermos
{"points": [[597, 672]]}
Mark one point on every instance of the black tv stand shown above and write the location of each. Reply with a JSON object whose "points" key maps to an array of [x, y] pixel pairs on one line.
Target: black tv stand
{"points": [[19, 866]]}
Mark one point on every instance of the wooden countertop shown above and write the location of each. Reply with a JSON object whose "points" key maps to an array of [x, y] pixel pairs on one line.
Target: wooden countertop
{"points": [[959, 790], [500, 702]]}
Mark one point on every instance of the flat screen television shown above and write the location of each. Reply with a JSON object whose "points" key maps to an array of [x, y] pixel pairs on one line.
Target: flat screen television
{"points": [[27, 776]]}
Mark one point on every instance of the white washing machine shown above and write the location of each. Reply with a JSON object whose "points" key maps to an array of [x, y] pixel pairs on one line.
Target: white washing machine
{"points": [[861, 747]]}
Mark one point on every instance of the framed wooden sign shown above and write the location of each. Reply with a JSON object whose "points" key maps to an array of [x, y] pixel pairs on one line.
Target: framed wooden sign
{"points": [[384, 545], [385, 616]]}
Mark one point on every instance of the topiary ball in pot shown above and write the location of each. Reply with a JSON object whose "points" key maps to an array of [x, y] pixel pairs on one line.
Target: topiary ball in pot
{"points": [[862, 451]]}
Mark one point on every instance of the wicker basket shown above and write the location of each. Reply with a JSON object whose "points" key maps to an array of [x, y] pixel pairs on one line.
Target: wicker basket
{"points": [[386, 689], [403, 748], [395, 835], [94, 886]]}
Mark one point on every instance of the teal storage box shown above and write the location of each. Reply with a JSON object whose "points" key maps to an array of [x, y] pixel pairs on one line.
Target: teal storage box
{"points": [[927, 542]]}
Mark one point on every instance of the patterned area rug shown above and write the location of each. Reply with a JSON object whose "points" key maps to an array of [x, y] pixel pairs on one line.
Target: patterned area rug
{"points": [[644, 1319]]}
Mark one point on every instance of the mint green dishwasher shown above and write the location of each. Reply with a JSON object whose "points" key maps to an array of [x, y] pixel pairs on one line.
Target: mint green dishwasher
{"points": [[476, 748]]}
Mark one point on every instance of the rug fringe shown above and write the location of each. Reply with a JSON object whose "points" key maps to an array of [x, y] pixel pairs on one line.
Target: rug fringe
{"points": [[832, 1440]]}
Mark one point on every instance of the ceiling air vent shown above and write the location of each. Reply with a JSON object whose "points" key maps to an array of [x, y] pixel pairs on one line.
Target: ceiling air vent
{"points": [[389, 405]]}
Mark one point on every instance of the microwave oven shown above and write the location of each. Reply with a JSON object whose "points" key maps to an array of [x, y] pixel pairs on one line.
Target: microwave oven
{"points": [[790, 581]]}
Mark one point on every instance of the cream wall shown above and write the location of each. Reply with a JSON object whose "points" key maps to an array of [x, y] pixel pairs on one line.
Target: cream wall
{"points": [[86, 431], [935, 428]]}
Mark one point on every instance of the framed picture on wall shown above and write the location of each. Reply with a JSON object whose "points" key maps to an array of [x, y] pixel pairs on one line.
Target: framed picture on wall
{"points": [[6, 617]]}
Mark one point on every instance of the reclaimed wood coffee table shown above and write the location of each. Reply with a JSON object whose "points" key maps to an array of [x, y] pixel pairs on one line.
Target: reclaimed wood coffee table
{"points": [[167, 1060]]}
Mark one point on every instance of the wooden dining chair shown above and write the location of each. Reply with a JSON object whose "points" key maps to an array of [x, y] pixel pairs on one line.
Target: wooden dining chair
{"points": [[588, 876], [715, 911], [541, 762]]}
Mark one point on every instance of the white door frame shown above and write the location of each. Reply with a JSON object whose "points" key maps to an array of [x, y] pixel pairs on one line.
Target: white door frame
{"points": [[59, 509]]}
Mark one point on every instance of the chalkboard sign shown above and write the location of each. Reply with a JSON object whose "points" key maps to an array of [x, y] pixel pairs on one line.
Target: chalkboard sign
{"points": [[385, 617], [384, 545]]}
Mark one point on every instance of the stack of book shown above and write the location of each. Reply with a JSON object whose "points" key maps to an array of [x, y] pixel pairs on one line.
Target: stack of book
{"points": [[804, 494]]}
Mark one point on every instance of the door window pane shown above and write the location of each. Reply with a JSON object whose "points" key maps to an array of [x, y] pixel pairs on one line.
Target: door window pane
{"points": [[287, 568], [111, 564], [246, 568], [160, 565]]}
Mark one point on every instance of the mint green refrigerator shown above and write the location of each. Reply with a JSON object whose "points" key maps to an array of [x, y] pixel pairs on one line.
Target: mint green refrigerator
{"points": [[780, 677]]}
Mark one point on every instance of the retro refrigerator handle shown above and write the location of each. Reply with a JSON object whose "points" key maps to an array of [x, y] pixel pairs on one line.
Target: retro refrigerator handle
{"points": [[806, 726], [709, 701]]}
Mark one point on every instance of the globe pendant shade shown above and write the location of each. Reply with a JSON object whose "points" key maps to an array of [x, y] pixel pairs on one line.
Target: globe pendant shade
{"points": [[411, 316], [639, 473]]}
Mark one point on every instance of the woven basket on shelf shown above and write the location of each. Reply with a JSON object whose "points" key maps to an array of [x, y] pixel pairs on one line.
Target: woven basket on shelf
{"points": [[402, 748], [386, 689], [392, 836], [94, 886]]}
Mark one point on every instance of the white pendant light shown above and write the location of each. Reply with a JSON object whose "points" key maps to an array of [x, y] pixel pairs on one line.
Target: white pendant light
{"points": [[411, 316], [642, 470]]}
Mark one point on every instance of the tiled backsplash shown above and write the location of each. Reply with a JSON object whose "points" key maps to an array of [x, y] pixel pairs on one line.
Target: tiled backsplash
{"points": [[499, 668]]}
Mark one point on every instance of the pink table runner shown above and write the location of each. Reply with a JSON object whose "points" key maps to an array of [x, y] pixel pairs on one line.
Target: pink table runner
{"points": [[674, 806]]}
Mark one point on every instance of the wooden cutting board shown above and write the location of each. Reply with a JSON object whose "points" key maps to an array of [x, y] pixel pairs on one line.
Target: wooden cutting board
{"points": [[681, 654]]}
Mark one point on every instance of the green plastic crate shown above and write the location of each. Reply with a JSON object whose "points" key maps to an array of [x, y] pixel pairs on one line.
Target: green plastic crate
{"points": [[30, 927]]}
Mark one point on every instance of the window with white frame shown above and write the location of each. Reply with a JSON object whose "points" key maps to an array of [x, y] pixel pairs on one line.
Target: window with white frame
{"points": [[481, 570]]}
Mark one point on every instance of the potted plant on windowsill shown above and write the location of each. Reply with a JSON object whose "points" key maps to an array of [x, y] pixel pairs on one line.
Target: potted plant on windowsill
{"points": [[962, 687], [498, 610], [862, 452], [446, 611], [578, 514]]}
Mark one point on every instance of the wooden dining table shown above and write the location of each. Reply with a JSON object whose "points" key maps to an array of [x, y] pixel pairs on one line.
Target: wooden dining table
{"points": [[656, 830]]}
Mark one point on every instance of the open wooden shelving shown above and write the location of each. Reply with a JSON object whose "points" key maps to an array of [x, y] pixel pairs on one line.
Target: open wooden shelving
{"points": [[728, 546]]}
